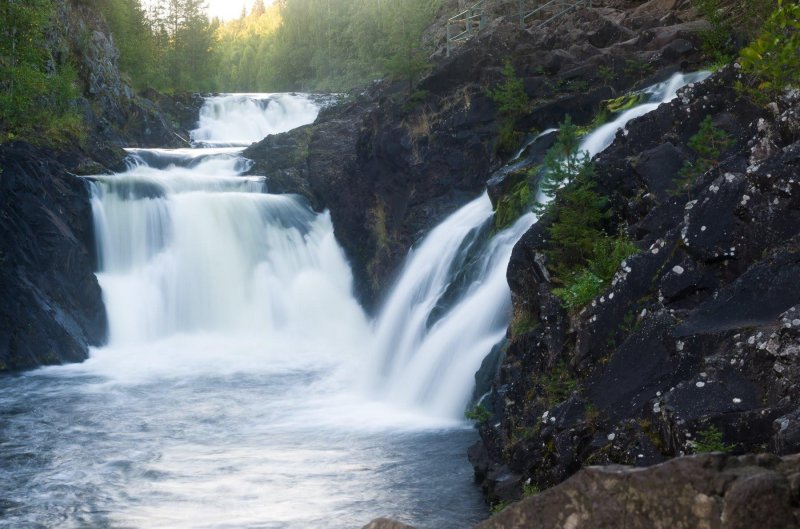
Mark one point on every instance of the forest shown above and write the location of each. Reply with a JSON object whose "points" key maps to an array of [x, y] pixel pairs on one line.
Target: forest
{"points": [[330, 45], [173, 46]]}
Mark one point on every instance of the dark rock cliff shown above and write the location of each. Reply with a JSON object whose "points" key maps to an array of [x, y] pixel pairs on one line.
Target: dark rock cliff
{"points": [[699, 333], [390, 165], [51, 308]]}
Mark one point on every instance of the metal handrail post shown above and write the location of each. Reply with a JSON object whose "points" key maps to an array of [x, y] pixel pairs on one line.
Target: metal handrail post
{"points": [[449, 44]]}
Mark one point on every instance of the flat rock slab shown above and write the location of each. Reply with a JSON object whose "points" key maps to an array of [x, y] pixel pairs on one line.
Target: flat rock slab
{"points": [[710, 491]]}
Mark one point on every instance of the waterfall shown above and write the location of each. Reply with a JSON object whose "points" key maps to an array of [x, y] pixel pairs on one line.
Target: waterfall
{"points": [[242, 119], [430, 340], [187, 247], [655, 95]]}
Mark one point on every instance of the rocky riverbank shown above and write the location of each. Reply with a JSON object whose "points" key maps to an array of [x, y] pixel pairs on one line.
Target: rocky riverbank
{"points": [[697, 337], [712, 491], [693, 347]]}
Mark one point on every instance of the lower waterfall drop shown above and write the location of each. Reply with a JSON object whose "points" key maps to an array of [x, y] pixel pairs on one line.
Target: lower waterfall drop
{"points": [[451, 304]]}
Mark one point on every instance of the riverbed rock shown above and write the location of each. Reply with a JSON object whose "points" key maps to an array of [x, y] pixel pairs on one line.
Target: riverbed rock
{"points": [[385, 523], [713, 491]]}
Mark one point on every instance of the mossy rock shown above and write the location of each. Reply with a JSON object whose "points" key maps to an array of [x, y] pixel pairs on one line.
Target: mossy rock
{"points": [[626, 102], [514, 204]]}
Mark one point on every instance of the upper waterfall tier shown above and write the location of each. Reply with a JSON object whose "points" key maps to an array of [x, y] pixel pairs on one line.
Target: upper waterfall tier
{"points": [[242, 119]]}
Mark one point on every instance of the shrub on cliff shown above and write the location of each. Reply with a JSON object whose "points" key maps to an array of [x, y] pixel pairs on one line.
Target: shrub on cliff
{"points": [[709, 143], [582, 255], [772, 61], [512, 103]]}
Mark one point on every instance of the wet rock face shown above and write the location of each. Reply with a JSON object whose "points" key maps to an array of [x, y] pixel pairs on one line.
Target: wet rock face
{"points": [[698, 332], [390, 165], [51, 307]]}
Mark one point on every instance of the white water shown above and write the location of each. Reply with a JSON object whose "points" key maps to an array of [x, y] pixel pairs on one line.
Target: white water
{"points": [[665, 92], [241, 119], [428, 363], [228, 394]]}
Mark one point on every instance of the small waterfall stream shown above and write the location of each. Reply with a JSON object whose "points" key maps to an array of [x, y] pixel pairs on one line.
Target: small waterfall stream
{"points": [[427, 357]]}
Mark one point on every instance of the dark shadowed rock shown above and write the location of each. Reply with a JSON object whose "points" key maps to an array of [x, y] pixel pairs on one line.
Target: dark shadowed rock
{"points": [[697, 333], [51, 307]]}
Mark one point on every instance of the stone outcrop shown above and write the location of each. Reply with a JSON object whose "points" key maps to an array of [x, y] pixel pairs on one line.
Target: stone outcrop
{"points": [[51, 307], [390, 165], [114, 114], [698, 335], [711, 491]]}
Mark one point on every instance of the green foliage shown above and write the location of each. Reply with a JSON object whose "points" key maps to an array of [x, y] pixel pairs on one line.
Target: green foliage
{"points": [[607, 75], [530, 489], [711, 440], [728, 18], [558, 384], [512, 102], [329, 45], [169, 46], [592, 415], [585, 284], [522, 322], [609, 252], [709, 143], [625, 102], [478, 414], [510, 96], [582, 256], [513, 205], [563, 163], [36, 90], [772, 61], [498, 507], [580, 214], [636, 68], [716, 40], [580, 289]]}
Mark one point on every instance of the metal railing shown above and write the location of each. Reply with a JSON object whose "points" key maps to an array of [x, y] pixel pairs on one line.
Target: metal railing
{"points": [[552, 9], [465, 24]]}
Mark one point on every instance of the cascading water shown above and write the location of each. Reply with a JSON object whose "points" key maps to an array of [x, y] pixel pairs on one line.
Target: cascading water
{"points": [[427, 353], [227, 394], [241, 119], [427, 357], [655, 95]]}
